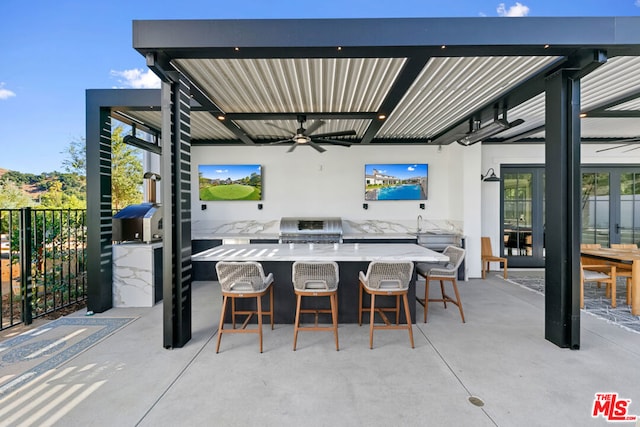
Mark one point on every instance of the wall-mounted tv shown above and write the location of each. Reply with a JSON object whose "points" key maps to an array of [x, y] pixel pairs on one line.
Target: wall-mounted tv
{"points": [[396, 181], [230, 182]]}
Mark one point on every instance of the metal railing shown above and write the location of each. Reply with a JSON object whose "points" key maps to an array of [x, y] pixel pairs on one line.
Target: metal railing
{"points": [[43, 262]]}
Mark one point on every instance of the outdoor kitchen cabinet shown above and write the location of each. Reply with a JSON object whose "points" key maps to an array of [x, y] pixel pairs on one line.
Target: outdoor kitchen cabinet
{"points": [[137, 274]]}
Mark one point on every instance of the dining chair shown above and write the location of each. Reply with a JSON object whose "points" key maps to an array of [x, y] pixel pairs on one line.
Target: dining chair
{"points": [[315, 279], [598, 273], [243, 279], [625, 272], [442, 273], [590, 246], [386, 279], [624, 246], [488, 258], [620, 272]]}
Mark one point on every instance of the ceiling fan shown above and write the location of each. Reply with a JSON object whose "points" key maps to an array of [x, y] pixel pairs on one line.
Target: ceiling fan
{"points": [[306, 136], [625, 143]]}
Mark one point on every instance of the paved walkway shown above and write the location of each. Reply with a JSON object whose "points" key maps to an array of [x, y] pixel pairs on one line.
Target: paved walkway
{"points": [[498, 359]]}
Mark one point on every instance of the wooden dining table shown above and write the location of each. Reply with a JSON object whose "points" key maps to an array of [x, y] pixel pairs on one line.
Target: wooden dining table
{"points": [[622, 258]]}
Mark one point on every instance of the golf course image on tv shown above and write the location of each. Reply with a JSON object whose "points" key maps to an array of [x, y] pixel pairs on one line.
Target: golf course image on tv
{"points": [[396, 181], [230, 182]]}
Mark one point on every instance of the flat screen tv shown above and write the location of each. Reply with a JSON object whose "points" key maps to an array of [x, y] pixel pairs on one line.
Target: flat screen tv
{"points": [[396, 181], [230, 182]]}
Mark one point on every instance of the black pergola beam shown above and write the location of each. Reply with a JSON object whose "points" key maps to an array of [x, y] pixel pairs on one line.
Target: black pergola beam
{"points": [[411, 70], [384, 37]]}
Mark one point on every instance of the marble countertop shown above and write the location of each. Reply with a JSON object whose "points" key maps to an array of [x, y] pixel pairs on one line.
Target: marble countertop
{"points": [[320, 252], [222, 236], [363, 236]]}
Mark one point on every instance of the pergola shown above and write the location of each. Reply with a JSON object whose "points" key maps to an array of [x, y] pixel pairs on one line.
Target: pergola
{"points": [[423, 81]]}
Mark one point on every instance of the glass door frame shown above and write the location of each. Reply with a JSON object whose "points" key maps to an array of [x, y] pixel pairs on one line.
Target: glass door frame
{"points": [[536, 259], [615, 172]]}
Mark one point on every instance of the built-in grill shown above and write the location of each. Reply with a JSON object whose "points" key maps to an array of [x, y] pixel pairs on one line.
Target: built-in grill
{"points": [[311, 230], [142, 222]]}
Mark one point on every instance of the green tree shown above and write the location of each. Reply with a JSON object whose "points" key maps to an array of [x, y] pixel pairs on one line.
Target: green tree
{"points": [[57, 198], [75, 164], [12, 197], [126, 172], [76, 161]]}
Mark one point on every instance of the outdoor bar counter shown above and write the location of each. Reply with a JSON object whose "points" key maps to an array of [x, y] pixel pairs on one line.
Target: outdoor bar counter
{"points": [[351, 258]]}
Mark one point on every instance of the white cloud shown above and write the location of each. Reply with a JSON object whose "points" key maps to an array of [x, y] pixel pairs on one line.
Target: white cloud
{"points": [[137, 78], [637, 3], [516, 10], [5, 93]]}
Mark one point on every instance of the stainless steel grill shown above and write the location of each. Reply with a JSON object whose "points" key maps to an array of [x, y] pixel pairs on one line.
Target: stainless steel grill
{"points": [[142, 222], [138, 223], [311, 230]]}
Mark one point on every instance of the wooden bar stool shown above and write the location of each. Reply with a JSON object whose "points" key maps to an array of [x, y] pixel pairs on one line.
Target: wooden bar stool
{"points": [[315, 279], [243, 280], [386, 279], [442, 273]]}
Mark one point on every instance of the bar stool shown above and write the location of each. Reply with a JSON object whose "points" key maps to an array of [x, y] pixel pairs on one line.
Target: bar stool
{"points": [[243, 280], [442, 273], [386, 279], [315, 279]]}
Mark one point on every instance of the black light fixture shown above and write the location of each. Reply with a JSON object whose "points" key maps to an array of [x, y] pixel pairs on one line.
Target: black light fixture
{"points": [[490, 178], [479, 133]]}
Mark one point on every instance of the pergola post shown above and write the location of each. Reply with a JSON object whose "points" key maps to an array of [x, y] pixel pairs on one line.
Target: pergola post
{"points": [[562, 217], [175, 165], [99, 214]]}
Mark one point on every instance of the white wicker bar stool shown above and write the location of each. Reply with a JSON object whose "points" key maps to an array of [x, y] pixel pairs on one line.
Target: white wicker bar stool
{"points": [[315, 279], [386, 279], [443, 273], [243, 280]]}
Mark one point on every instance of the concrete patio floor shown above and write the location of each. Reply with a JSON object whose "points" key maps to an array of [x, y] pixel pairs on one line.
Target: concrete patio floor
{"points": [[499, 356]]}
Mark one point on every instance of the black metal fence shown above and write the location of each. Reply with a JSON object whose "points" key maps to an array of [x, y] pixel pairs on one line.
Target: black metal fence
{"points": [[43, 262]]}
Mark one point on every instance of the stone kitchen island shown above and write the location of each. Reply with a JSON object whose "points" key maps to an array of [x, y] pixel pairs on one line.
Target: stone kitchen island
{"points": [[351, 258]]}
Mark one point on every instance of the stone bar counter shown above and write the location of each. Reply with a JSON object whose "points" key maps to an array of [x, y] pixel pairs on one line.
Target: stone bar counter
{"points": [[351, 258]]}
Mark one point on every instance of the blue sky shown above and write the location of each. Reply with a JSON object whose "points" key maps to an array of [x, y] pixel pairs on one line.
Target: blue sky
{"points": [[228, 171], [52, 51], [398, 170]]}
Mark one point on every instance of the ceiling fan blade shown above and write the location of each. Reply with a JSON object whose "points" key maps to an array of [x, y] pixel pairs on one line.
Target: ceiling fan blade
{"points": [[334, 142], [314, 127], [293, 147], [317, 147], [611, 148], [287, 131], [280, 142], [340, 133], [631, 149]]}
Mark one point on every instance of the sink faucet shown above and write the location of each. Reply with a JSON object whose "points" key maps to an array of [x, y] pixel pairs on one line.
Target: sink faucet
{"points": [[419, 219]]}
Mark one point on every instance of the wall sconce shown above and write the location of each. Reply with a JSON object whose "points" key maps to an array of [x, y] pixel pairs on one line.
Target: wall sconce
{"points": [[490, 178]]}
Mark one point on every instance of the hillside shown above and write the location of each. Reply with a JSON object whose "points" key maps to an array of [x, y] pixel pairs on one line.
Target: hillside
{"points": [[34, 186]]}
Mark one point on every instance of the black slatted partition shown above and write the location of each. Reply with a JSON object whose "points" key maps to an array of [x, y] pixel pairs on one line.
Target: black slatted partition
{"points": [[99, 212], [176, 202]]}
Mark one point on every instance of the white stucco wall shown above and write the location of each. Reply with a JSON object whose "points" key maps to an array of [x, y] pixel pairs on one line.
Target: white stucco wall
{"points": [[307, 183]]}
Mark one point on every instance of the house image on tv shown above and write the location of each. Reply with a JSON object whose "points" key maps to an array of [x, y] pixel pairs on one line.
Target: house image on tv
{"points": [[378, 178]]}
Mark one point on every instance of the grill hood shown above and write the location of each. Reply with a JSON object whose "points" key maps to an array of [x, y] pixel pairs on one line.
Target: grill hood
{"points": [[142, 223], [311, 230]]}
